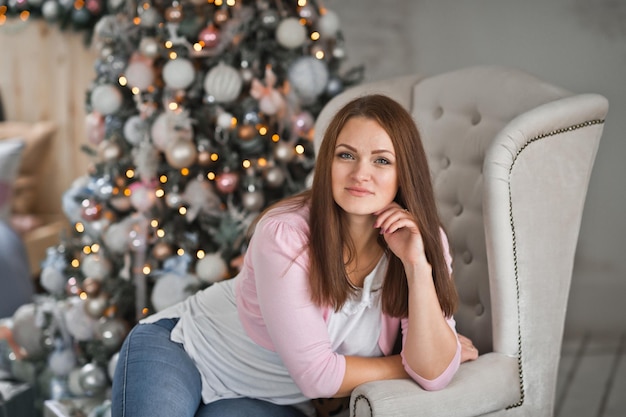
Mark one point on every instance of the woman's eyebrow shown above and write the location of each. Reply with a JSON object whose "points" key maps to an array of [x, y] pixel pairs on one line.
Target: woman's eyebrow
{"points": [[375, 151]]}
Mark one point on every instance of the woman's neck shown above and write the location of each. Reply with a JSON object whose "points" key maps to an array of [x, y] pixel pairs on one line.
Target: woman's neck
{"points": [[367, 252]]}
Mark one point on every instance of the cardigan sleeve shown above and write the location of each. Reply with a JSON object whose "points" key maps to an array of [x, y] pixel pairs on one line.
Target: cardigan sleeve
{"points": [[289, 322]]}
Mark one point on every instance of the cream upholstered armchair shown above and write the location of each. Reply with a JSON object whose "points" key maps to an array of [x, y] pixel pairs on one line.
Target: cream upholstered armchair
{"points": [[511, 158]]}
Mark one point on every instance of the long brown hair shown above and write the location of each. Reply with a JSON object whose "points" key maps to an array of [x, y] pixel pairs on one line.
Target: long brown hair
{"points": [[329, 238]]}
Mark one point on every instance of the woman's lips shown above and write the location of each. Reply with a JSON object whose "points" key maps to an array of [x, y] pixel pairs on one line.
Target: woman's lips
{"points": [[358, 192]]}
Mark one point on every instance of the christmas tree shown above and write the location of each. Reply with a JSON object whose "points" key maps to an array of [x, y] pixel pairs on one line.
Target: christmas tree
{"points": [[200, 116]]}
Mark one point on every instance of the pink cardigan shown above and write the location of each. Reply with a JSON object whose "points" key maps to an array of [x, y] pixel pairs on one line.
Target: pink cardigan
{"points": [[276, 310]]}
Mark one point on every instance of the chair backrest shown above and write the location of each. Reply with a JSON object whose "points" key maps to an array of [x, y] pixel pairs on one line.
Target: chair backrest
{"points": [[461, 116]]}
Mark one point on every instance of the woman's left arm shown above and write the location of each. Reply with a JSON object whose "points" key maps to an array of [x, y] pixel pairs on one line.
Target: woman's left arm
{"points": [[431, 350]]}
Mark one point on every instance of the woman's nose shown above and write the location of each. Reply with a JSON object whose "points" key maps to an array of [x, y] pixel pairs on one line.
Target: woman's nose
{"points": [[361, 171]]}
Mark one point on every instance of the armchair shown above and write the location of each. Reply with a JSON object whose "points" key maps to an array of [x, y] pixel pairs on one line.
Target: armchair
{"points": [[511, 158]]}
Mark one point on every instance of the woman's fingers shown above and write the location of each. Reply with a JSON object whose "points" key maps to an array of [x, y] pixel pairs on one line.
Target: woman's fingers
{"points": [[468, 350]]}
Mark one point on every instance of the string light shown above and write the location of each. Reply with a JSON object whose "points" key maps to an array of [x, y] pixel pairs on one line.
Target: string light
{"points": [[80, 228], [163, 179], [200, 254], [146, 270], [210, 175], [159, 193], [182, 210], [75, 263], [160, 233], [130, 173], [299, 149], [180, 252]]}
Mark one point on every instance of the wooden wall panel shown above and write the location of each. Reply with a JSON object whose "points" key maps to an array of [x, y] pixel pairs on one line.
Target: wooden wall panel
{"points": [[44, 75]]}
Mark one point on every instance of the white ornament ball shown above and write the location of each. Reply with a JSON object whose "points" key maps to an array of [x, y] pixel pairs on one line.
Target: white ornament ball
{"points": [[159, 132], [223, 82], [61, 362], [106, 99], [253, 200], [140, 75], [308, 182], [308, 76], [225, 120], [211, 268], [170, 289], [116, 237], [328, 24], [111, 332], [73, 383], [150, 18], [149, 47], [92, 379], [112, 365], [96, 266], [134, 129], [53, 280], [290, 33], [79, 324], [50, 10], [26, 333], [178, 73]]}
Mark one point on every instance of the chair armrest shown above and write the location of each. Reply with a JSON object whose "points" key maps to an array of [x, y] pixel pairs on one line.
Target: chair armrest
{"points": [[487, 384]]}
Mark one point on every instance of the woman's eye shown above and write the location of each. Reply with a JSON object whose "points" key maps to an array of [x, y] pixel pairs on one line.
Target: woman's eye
{"points": [[345, 155], [383, 161]]}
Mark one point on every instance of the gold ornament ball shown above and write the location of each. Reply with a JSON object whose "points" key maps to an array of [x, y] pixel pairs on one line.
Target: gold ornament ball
{"points": [[174, 14], [181, 154], [96, 306], [109, 151], [220, 16], [162, 251], [246, 132], [91, 286], [204, 158]]}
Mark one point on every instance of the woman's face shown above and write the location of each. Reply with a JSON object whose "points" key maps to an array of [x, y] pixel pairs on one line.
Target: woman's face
{"points": [[364, 174]]}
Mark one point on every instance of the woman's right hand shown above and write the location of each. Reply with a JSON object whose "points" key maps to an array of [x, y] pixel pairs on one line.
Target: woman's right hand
{"points": [[468, 350]]}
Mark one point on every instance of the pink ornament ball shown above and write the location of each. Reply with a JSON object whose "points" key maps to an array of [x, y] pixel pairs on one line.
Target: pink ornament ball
{"points": [[94, 127], [210, 36], [303, 123], [142, 197], [227, 182]]}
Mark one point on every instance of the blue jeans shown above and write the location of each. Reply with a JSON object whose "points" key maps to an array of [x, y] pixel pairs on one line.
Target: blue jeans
{"points": [[155, 377]]}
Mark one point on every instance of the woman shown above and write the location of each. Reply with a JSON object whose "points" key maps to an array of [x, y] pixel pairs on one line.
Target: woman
{"points": [[329, 277]]}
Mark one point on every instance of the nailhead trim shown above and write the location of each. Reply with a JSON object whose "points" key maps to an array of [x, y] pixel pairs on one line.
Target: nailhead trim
{"points": [[357, 399], [517, 288]]}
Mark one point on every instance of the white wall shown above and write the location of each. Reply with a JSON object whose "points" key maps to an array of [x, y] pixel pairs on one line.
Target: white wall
{"points": [[577, 44]]}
